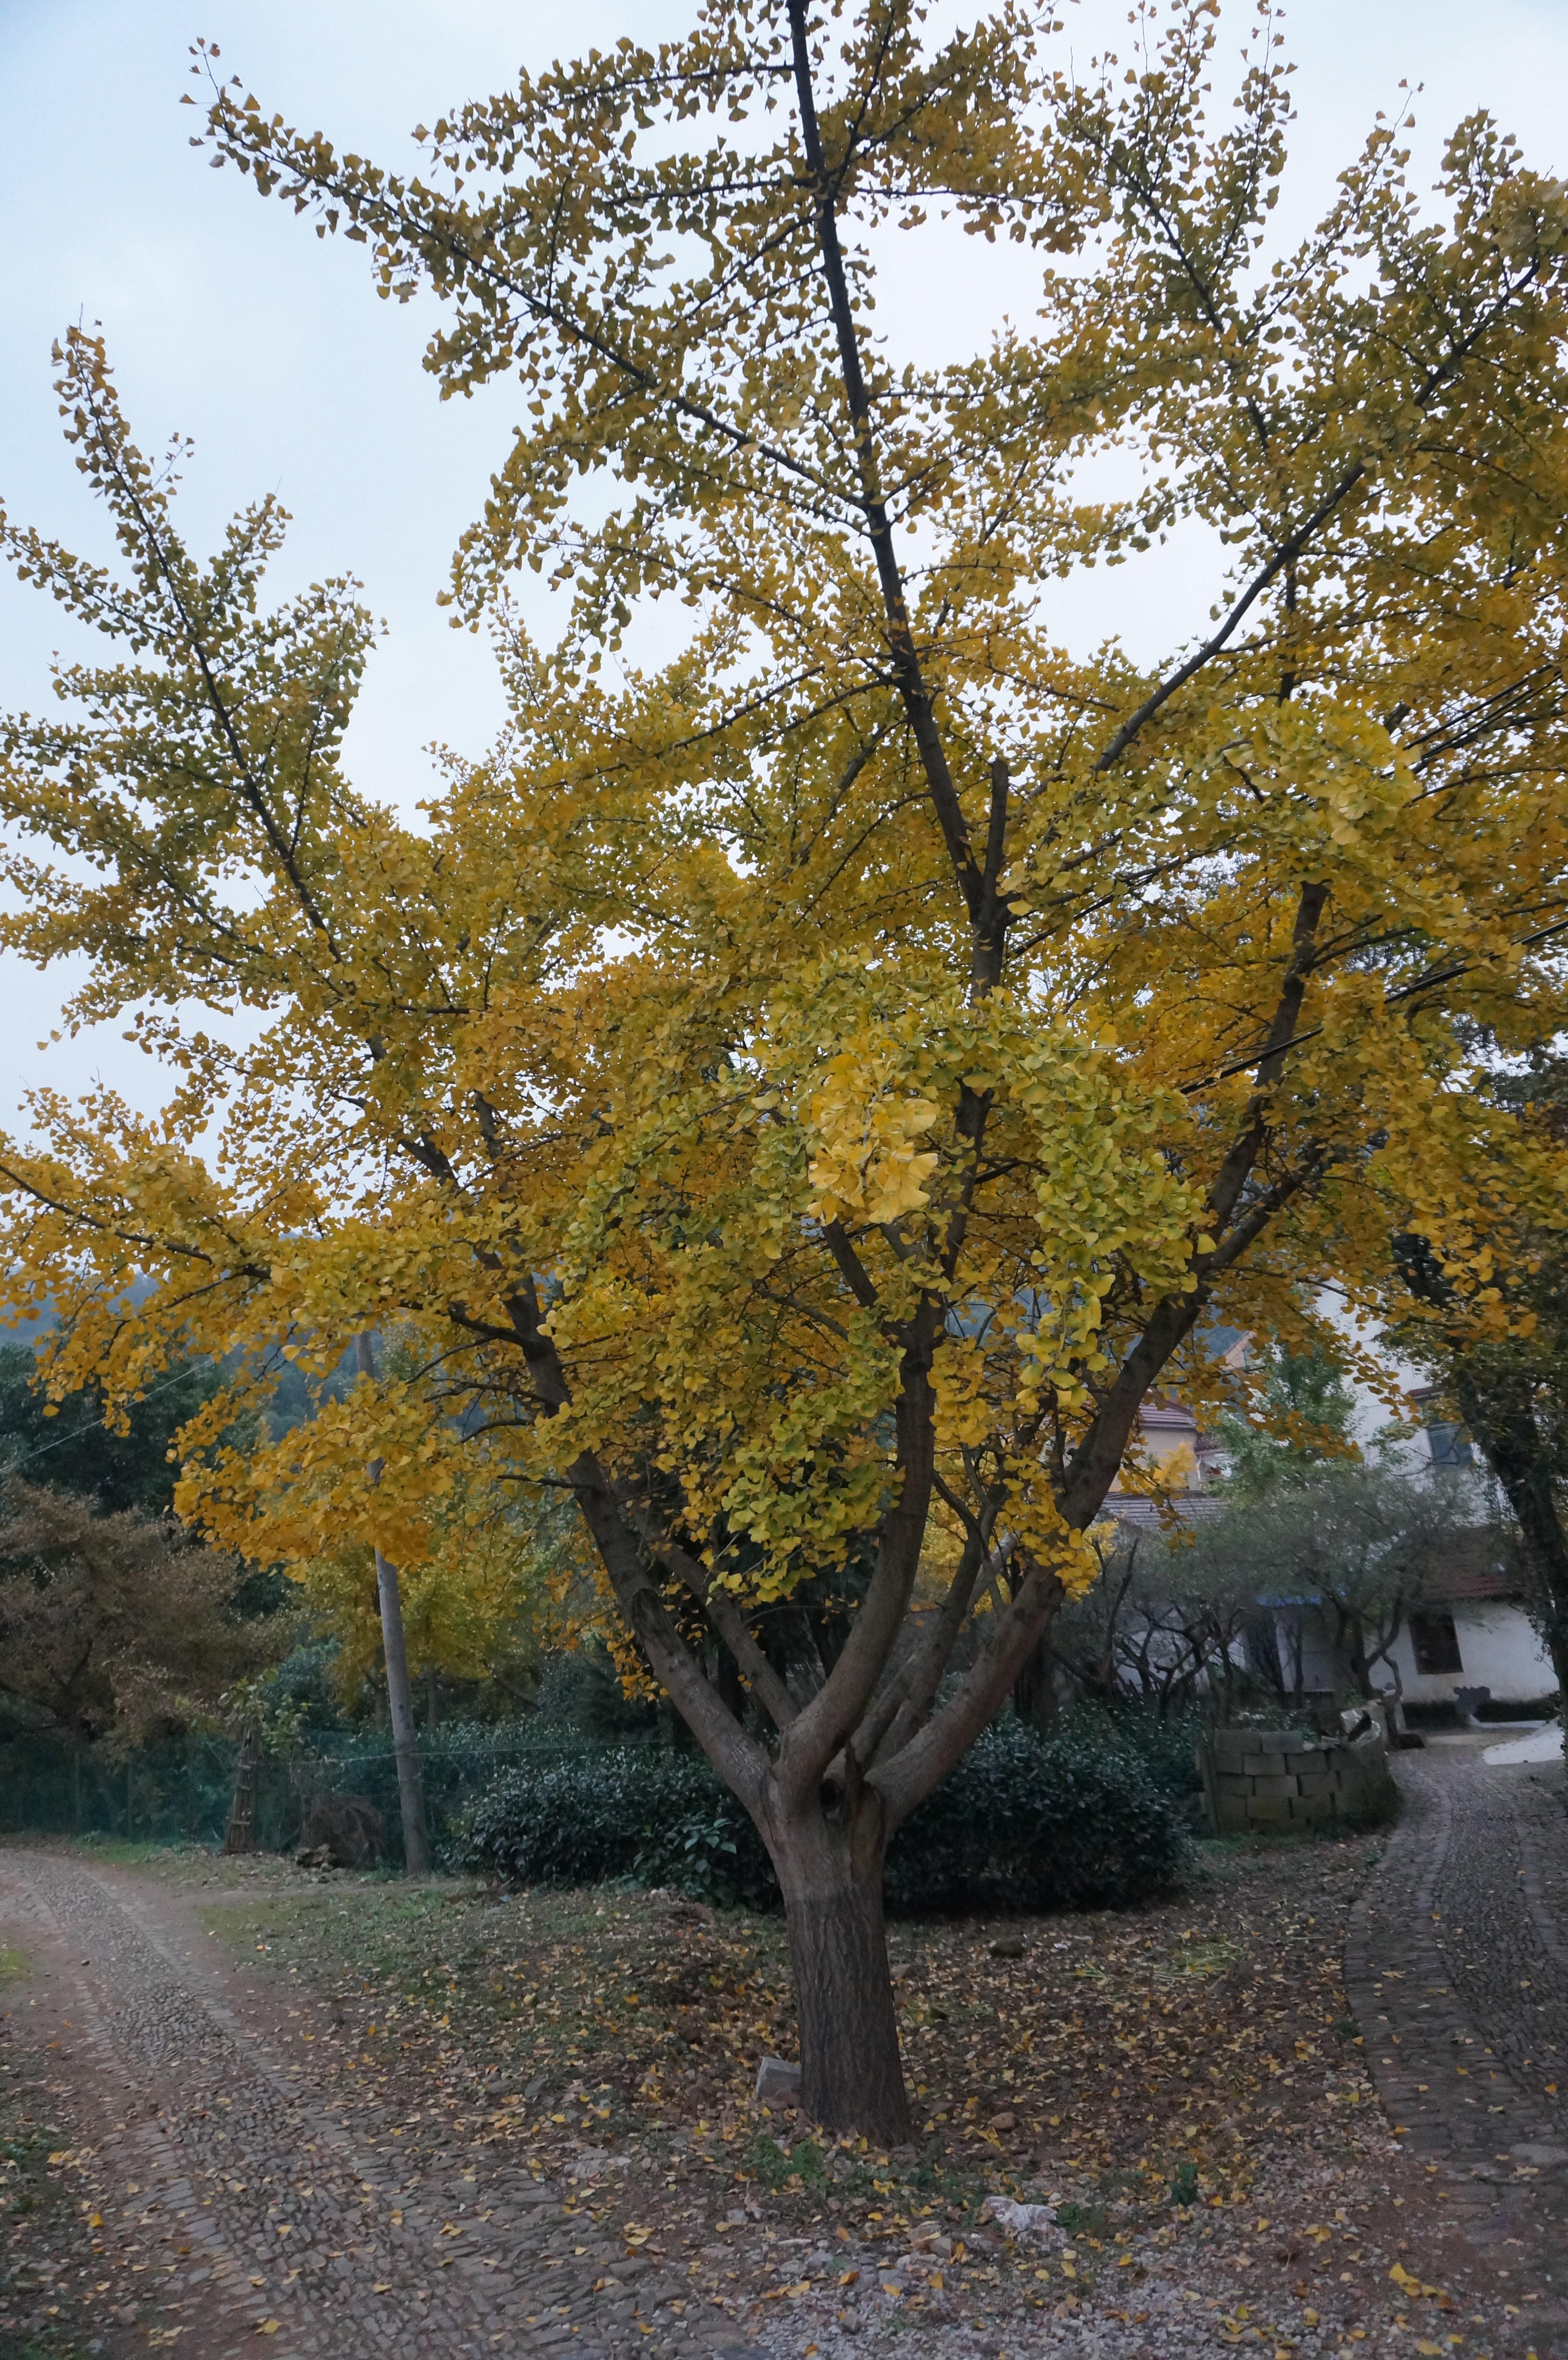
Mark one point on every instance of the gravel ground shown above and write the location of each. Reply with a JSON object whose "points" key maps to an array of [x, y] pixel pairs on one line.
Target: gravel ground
{"points": [[259, 2207], [351, 2117]]}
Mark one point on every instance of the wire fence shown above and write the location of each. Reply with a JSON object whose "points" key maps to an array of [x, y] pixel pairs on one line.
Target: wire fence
{"points": [[180, 1790]]}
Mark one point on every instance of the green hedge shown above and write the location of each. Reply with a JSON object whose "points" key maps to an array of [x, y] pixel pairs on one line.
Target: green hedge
{"points": [[1165, 1742], [627, 1811], [1023, 1824], [1027, 1823]]}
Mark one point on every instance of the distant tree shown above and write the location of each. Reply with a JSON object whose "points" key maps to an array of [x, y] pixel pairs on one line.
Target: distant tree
{"points": [[1302, 1420], [1360, 1544], [1179, 1614], [476, 1609], [1499, 1355], [1139, 1631], [1174, 1617], [70, 1447], [118, 1625]]}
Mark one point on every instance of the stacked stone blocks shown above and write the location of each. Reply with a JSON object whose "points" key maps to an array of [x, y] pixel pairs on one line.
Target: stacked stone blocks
{"points": [[1272, 1780]]}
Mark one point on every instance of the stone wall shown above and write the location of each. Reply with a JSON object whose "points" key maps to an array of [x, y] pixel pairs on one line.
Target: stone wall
{"points": [[1271, 1780]]}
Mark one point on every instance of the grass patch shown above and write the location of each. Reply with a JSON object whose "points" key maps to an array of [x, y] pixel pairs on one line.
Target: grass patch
{"points": [[1083, 2220], [777, 2166], [1203, 1958], [35, 2213], [23, 2152], [123, 1852]]}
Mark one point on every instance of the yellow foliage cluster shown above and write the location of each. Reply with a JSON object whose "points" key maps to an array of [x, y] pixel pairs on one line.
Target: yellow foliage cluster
{"points": [[797, 1101]]}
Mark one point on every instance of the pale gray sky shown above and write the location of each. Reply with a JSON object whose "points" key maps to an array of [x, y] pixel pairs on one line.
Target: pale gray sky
{"points": [[228, 320]]}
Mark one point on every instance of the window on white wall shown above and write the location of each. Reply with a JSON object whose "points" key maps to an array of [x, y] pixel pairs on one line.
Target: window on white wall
{"points": [[1446, 1439], [1436, 1643]]}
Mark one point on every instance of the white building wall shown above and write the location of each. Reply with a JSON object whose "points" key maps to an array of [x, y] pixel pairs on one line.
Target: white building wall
{"points": [[1499, 1648]]}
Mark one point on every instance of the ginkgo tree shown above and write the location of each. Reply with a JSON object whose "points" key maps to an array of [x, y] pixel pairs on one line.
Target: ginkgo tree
{"points": [[794, 1100]]}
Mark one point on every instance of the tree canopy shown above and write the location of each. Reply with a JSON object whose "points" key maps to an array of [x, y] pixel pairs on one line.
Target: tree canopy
{"points": [[115, 1463], [797, 1099], [118, 1625]]}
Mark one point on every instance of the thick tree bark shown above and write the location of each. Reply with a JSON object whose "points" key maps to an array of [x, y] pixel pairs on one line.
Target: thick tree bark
{"points": [[1034, 1690], [830, 1867], [727, 1682]]}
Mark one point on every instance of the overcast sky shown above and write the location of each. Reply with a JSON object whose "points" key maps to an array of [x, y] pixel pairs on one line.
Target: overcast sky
{"points": [[227, 320]]}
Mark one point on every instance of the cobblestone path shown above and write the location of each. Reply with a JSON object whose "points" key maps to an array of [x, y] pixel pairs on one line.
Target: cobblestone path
{"points": [[1456, 1967], [262, 2210]]}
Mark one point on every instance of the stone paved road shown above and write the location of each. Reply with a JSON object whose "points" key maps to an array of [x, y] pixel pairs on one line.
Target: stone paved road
{"points": [[260, 2209], [1458, 1973]]}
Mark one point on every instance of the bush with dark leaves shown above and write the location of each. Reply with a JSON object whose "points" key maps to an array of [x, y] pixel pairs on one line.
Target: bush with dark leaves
{"points": [[1024, 1823], [624, 1811], [1165, 1742], [1027, 1823]]}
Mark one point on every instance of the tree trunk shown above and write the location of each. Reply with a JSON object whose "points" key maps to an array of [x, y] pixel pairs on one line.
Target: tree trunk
{"points": [[405, 1742], [399, 1694], [1509, 1440], [1034, 1690], [239, 1834], [728, 1681], [1354, 1659], [851, 2078]]}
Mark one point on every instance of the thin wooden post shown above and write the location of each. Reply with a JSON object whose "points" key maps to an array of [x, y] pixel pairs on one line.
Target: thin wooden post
{"points": [[240, 1833], [399, 1694]]}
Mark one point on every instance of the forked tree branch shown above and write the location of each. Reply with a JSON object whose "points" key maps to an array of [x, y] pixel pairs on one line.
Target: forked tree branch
{"points": [[823, 1725], [913, 688], [895, 1717], [904, 1779], [728, 1622]]}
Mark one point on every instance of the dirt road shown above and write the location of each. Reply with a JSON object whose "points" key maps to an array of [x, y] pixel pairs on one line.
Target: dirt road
{"points": [[222, 2201]]}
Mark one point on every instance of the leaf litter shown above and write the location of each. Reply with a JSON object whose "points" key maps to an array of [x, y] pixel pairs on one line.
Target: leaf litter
{"points": [[1176, 2098]]}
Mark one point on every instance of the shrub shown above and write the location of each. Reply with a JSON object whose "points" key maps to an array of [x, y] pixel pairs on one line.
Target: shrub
{"points": [[1024, 1824], [656, 1818], [1164, 1741], [1027, 1823]]}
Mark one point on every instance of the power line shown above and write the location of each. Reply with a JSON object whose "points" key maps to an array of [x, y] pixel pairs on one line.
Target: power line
{"points": [[58, 1440]]}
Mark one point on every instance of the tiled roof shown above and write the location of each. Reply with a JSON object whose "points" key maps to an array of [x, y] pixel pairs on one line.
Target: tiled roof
{"points": [[1475, 1568]]}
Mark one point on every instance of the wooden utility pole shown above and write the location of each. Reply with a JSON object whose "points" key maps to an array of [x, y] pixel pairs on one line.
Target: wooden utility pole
{"points": [[400, 1695]]}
